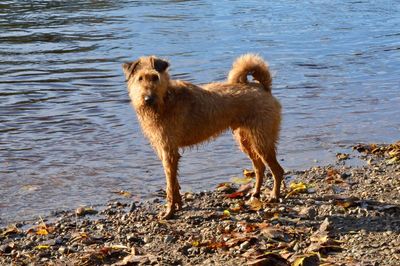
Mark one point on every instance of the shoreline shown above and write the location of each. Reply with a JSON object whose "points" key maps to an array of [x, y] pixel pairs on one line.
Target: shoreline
{"points": [[335, 214]]}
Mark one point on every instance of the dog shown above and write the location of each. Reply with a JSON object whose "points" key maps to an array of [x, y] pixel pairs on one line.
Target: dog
{"points": [[175, 114]]}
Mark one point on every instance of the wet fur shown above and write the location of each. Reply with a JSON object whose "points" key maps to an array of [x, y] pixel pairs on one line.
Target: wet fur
{"points": [[184, 114]]}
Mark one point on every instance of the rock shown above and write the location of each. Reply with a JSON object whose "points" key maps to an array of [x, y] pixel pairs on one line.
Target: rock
{"points": [[146, 239], [169, 239], [132, 207], [245, 245], [63, 250], [308, 212], [325, 226], [7, 248]]}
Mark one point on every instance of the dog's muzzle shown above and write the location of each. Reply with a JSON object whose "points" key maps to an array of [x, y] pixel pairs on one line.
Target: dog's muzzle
{"points": [[150, 99]]}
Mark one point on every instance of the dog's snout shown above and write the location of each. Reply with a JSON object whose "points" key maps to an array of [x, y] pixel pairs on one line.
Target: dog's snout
{"points": [[149, 99]]}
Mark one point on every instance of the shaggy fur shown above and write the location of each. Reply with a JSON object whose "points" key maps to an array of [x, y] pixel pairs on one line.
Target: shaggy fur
{"points": [[175, 114]]}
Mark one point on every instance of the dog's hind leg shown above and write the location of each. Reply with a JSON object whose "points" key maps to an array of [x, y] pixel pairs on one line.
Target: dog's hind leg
{"points": [[258, 165], [269, 158]]}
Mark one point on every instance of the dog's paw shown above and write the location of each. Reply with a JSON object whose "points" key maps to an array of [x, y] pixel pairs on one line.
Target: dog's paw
{"points": [[168, 214], [273, 198]]}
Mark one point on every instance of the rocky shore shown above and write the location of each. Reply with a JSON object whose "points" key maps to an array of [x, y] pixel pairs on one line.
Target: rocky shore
{"points": [[331, 215]]}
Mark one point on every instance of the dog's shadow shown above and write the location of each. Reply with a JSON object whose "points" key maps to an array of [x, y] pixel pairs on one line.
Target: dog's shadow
{"points": [[367, 215], [363, 214]]}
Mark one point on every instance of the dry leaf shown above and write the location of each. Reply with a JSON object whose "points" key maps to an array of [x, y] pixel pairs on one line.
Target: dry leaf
{"points": [[249, 173], [42, 231], [226, 214], [235, 195], [225, 187], [307, 260], [42, 247], [296, 188], [255, 204], [241, 180], [11, 229], [245, 188]]}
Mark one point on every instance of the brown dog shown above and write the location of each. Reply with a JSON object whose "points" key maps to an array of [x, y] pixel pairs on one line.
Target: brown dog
{"points": [[176, 114]]}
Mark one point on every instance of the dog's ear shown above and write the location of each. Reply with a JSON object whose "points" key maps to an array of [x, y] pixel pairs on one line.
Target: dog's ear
{"points": [[129, 68], [158, 64]]}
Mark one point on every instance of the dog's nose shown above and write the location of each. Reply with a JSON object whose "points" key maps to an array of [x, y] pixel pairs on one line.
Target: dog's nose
{"points": [[149, 99]]}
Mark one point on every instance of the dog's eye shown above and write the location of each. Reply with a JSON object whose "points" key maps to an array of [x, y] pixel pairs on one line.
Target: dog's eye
{"points": [[140, 78], [154, 78]]}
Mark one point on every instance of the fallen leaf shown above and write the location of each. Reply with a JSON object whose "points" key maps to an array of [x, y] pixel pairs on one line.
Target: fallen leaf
{"points": [[237, 207], [119, 247], [274, 233], [241, 180], [133, 260], [42, 231], [296, 188], [249, 173], [225, 187], [255, 204], [226, 213], [195, 243], [269, 259], [307, 260], [245, 188], [42, 247], [11, 229], [346, 204], [235, 195], [216, 245], [393, 160], [124, 193]]}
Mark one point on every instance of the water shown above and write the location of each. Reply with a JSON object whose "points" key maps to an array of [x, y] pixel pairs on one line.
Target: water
{"points": [[69, 137]]}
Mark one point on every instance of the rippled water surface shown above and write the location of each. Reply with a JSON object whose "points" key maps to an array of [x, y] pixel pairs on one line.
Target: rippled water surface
{"points": [[69, 137]]}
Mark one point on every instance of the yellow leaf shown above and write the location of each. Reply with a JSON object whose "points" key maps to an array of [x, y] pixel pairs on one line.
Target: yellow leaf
{"points": [[276, 216], [241, 180], [119, 247], [296, 188], [195, 243], [227, 213], [42, 247], [42, 231], [248, 173], [307, 260], [393, 160], [124, 193]]}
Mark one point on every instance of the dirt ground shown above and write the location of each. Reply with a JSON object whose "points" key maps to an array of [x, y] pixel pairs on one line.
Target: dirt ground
{"points": [[331, 215]]}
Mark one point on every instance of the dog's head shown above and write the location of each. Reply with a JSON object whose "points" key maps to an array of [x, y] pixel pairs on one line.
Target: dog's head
{"points": [[147, 80]]}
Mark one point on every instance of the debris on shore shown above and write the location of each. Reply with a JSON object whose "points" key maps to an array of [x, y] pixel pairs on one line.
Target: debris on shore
{"points": [[331, 215]]}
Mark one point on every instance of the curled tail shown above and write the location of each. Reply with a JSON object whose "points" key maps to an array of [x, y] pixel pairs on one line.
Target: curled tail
{"points": [[250, 64]]}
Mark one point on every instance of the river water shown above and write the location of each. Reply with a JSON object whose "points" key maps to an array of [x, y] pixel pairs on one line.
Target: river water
{"points": [[69, 137]]}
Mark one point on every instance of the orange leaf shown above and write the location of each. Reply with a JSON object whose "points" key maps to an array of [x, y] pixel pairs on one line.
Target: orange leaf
{"points": [[235, 195], [42, 231]]}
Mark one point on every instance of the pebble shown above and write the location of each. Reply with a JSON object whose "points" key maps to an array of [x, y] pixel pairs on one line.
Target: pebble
{"points": [[245, 245], [146, 239], [132, 207], [169, 239], [188, 238]]}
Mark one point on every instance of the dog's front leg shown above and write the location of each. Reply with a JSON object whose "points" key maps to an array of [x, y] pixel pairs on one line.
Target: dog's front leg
{"points": [[170, 160]]}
